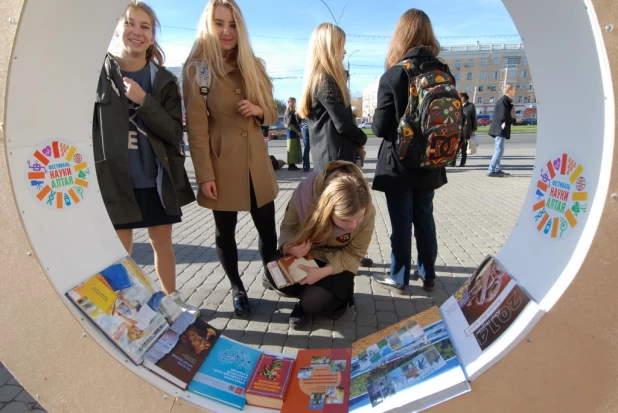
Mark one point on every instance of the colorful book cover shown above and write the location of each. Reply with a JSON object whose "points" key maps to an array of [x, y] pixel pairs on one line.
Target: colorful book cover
{"points": [[482, 310], [224, 375], [416, 361], [269, 381], [286, 271], [125, 305], [320, 382], [182, 349]]}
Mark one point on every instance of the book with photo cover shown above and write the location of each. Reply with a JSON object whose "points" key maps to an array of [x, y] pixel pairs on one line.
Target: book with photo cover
{"points": [[269, 381], [482, 311], [411, 365], [125, 305], [320, 382], [286, 270], [224, 374], [182, 349]]}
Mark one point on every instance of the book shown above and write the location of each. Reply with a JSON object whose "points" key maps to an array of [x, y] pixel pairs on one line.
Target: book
{"points": [[409, 366], [320, 382], [224, 375], [286, 270], [482, 311], [125, 305], [181, 350], [269, 381]]}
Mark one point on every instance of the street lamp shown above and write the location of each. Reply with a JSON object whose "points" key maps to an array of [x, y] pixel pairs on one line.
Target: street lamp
{"points": [[349, 74]]}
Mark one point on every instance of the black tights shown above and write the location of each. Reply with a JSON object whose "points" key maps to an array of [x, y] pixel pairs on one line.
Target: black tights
{"points": [[314, 300], [225, 237]]}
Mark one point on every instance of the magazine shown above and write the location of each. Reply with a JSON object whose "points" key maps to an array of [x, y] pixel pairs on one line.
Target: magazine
{"points": [[415, 366], [286, 271], [125, 305], [482, 310]]}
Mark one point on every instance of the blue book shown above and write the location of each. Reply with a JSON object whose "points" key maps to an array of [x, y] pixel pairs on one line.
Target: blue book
{"points": [[224, 375]]}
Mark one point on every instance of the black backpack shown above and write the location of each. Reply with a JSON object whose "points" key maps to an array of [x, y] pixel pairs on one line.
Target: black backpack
{"points": [[431, 127]]}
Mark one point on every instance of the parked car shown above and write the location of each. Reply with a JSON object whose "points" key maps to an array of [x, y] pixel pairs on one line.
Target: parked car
{"points": [[276, 131], [528, 121], [365, 125], [483, 120]]}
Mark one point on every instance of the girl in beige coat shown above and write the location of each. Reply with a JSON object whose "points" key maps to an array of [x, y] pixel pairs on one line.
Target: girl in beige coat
{"points": [[232, 167], [330, 216]]}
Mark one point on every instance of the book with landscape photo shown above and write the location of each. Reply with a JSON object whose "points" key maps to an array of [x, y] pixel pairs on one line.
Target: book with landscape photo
{"points": [[224, 374], [182, 349], [125, 305], [320, 382], [482, 311], [269, 381], [286, 270], [411, 365]]}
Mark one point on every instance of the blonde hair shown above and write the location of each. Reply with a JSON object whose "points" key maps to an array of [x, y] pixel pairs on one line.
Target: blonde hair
{"points": [[208, 49], [325, 46], [344, 195], [413, 30], [508, 87], [154, 53]]}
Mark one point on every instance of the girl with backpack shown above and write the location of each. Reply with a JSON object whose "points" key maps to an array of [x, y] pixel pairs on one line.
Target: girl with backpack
{"points": [[325, 101], [409, 192], [138, 141], [330, 216], [232, 167]]}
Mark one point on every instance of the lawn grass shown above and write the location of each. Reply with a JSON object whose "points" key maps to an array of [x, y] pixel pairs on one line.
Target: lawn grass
{"points": [[482, 130]]}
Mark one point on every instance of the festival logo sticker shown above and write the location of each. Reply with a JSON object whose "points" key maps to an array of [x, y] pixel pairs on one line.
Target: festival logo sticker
{"points": [[58, 174], [561, 197]]}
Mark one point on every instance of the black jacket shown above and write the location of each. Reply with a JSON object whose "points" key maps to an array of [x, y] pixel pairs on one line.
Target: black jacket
{"points": [[162, 116], [502, 114], [392, 101], [469, 119], [332, 131]]}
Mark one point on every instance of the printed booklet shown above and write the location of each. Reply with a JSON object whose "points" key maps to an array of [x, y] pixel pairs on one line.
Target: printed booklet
{"points": [[125, 305], [482, 311], [181, 350], [269, 381], [411, 364], [286, 271], [224, 375]]}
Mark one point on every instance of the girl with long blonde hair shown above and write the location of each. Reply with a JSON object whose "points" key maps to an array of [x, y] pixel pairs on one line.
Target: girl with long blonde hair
{"points": [[331, 217], [232, 167], [137, 140], [325, 101]]}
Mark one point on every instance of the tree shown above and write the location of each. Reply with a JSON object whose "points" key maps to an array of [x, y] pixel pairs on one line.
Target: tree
{"points": [[358, 102], [281, 105]]}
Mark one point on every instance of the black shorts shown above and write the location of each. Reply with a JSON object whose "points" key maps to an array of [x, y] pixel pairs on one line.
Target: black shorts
{"points": [[151, 209]]}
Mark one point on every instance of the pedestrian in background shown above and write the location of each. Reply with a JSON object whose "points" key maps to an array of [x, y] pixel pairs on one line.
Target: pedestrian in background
{"points": [[500, 129], [232, 167], [409, 192], [304, 129], [138, 141], [325, 101], [292, 124], [468, 129]]}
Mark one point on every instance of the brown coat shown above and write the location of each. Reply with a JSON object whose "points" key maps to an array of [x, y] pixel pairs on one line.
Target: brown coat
{"points": [[341, 255], [227, 147]]}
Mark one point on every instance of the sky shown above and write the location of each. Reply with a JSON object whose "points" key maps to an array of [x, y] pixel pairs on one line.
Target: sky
{"points": [[280, 31]]}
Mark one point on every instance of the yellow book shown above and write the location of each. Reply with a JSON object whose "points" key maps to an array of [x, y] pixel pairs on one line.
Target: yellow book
{"points": [[98, 291]]}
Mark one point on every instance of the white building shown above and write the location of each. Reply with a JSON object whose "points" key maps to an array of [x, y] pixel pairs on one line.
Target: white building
{"points": [[370, 99]]}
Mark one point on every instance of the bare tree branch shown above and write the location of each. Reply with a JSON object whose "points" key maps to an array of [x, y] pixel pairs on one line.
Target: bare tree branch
{"points": [[331, 13], [341, 15]]}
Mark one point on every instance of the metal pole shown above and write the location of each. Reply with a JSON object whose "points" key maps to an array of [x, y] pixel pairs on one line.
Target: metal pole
{"points": [[349, 74]]}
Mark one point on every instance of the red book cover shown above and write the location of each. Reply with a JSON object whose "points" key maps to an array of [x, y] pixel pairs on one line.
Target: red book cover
{"points": [[269, 381], [320, 382]]}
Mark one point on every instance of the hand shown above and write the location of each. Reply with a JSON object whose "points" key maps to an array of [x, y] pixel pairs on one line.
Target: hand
{"points": [[313, 275], [247, 109], [209, 189], [361, 151], [134, 91], [518, 120], [300, 250]]}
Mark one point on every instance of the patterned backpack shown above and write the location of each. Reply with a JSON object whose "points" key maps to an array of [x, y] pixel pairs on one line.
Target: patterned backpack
{"points": [[430, 129]]}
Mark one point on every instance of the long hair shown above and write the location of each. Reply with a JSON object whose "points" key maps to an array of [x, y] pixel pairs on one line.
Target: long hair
{"points": [[325, 47], [344, 195], [154, 53], [207, 48], [290, 108], [413, 30]]}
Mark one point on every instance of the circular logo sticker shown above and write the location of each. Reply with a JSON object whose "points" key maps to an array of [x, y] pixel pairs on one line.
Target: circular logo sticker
{"points": [[58, 175], [561, 197]]}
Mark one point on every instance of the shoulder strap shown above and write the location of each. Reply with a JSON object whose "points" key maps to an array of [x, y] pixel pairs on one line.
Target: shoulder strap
{"points": [[203, 81], [409, 66]]}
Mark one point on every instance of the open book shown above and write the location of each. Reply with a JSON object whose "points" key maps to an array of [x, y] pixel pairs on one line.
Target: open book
{"points": [[286, 271]]}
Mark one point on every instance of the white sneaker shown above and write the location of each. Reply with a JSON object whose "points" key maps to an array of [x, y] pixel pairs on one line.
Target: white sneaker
{"points": [[179, 299]]}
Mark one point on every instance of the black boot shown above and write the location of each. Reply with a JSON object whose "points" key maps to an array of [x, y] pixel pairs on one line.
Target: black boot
{"points": [[241, 304], [298, 318]]}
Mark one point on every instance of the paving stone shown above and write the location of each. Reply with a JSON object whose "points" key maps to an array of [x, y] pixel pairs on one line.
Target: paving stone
{"points": [[344, 334], [275, 338], [363, 331], [320, 342], [384, 306], [272, 349], [25, 397], [364, 305], [8, 392], [297, 342], [15, 407], [404, 308], [342, 343], [367, 320], [386, 317], [5, 376]]}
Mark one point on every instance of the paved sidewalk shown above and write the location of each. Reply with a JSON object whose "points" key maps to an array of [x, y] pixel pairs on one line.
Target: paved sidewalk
{"points": [[473, 213]]}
